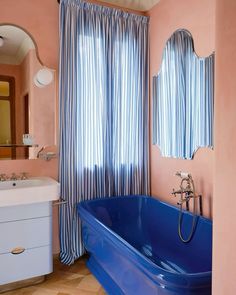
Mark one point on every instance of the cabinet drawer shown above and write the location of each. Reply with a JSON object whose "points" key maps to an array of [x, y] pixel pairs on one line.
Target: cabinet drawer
{"points": [[28, 211], [29, 264], [28, 234]]}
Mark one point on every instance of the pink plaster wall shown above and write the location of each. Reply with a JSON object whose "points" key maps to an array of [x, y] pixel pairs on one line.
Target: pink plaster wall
{"points": [[224, 234], [199, 18], [40, 19]]}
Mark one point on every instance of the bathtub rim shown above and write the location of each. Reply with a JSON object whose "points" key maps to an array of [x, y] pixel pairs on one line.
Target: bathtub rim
{"points": [[207, 220], [154, 267]]}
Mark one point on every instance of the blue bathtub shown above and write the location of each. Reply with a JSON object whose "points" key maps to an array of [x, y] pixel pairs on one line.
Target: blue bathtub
{"points": [[135, 249]]}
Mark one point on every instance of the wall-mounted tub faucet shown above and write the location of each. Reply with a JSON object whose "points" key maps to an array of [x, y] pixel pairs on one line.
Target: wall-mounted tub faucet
{"points": [[187, 189], [187, 192]]}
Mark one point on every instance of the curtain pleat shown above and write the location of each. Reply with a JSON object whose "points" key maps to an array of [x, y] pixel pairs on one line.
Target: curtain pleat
{"points": [[103, 110]]}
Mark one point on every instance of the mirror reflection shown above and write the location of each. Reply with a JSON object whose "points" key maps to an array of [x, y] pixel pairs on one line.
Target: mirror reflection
{"points": [[24, 107], [183, 99]]}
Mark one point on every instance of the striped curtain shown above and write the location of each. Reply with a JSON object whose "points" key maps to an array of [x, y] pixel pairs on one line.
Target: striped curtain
{"points": [[103, 110], [183, 94]]}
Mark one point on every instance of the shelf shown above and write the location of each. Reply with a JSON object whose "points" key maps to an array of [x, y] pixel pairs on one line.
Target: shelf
{"points": [[17, 145]]}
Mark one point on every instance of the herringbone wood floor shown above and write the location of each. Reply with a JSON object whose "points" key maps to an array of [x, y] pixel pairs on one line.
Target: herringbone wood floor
{"points": [[65, 280]]}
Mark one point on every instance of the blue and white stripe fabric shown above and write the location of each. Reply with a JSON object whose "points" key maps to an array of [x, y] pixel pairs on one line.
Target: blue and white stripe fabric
{"points": [[103, 110], [183, 94]]}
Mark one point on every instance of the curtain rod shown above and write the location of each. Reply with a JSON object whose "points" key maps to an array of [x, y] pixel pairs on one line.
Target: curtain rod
{"points": [[118, 7]]}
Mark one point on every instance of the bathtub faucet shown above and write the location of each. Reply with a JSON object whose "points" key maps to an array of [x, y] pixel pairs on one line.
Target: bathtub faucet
{"points": [[182, 191], [186, 200], [186, 191], [185, 196]]}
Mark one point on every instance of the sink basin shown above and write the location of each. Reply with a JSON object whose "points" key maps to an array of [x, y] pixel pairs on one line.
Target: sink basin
{"points": [[32, 190]]}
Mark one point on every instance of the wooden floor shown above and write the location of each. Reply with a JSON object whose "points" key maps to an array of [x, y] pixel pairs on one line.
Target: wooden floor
{"points": [[65, 280]]}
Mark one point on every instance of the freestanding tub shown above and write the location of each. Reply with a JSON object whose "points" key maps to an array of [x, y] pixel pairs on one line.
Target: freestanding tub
{"points": [[134, 247]]}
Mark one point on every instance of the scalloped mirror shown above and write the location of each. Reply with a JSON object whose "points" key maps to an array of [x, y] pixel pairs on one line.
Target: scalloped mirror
{"points": [[183, 99], [25, 108]]}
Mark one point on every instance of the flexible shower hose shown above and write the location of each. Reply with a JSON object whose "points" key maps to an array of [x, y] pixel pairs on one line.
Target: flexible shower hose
{"points": [[181, 216]]}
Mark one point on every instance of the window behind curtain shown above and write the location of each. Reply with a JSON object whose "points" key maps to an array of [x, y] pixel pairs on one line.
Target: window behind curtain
{"points": [[91, 79], [121, 113]]}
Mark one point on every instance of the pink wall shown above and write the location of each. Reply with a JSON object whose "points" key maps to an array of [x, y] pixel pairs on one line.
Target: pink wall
{"points": [[224, 236], [199, 18], [40, 19]]}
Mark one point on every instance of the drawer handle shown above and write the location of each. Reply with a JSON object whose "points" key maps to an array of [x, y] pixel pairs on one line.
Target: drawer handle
{"points": [[17, 250]]}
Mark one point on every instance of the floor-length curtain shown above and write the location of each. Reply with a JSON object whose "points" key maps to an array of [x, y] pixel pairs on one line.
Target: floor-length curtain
{"points": [[103, 110]]}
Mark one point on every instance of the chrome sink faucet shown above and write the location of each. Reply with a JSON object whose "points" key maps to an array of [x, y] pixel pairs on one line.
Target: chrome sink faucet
{"points": [[14, 177], [24, 176]]}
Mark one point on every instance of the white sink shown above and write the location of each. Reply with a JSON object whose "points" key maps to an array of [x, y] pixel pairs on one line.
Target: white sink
{"points": [[32, 190]]}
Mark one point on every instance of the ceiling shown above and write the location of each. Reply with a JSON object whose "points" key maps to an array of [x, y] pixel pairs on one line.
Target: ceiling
{"points": [[16, 44], [140, 5]]}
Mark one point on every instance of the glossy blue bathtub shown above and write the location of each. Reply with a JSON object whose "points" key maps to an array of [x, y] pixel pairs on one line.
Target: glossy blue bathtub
{"points": [[135, 249]]}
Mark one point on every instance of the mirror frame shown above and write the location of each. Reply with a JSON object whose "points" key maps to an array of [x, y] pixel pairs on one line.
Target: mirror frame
{"points": [[42, 65], [30, 35]]}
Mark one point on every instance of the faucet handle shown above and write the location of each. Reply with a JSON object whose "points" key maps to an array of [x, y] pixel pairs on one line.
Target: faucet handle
{"points": [[24, 176], [13, 176], [174, 192], [3, 177]]}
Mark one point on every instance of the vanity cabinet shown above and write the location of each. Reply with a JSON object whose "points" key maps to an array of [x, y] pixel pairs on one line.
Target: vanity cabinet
{"points": [[25, 241]]}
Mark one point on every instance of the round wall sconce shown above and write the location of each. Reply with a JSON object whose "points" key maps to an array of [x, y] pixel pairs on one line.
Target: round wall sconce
{"points": [[43, 78]]}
